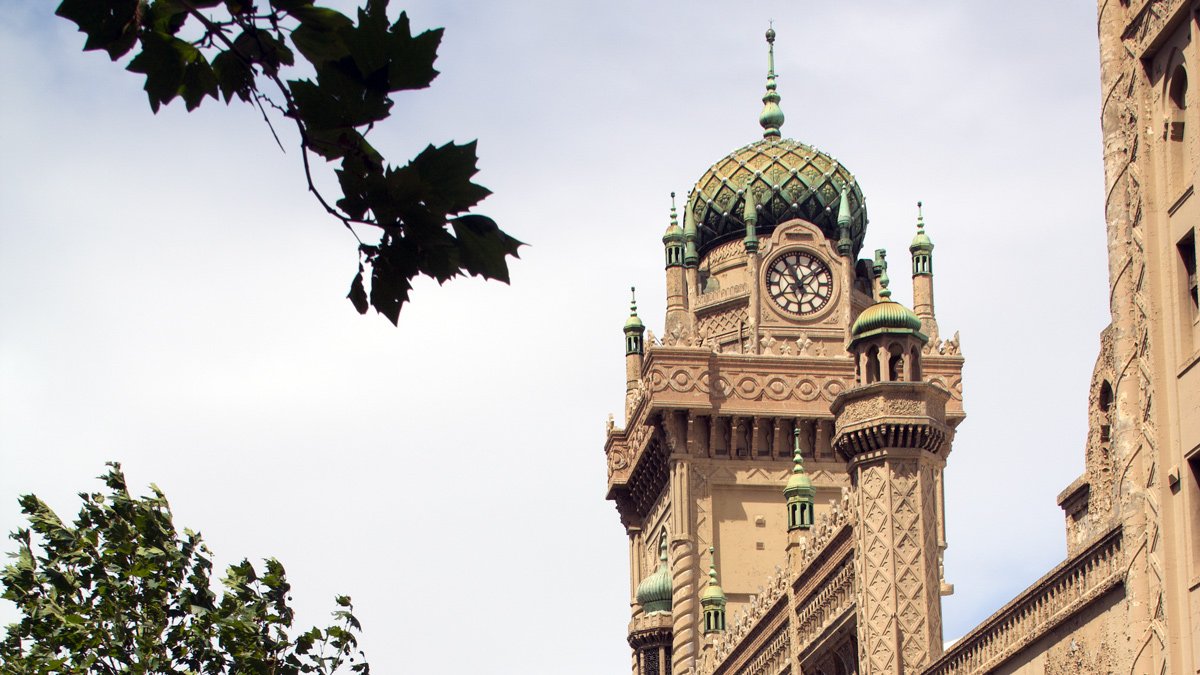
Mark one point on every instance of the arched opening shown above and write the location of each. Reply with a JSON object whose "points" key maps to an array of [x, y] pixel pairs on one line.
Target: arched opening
{"points": [[895, 363], [914, 359], [872, 365], [1176, 131]]}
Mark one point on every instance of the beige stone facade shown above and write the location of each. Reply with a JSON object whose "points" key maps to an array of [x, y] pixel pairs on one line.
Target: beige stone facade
{"points": [[778, 336]]}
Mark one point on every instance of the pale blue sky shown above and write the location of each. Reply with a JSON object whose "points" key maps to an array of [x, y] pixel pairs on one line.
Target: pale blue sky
{"points": [[170, 297]]}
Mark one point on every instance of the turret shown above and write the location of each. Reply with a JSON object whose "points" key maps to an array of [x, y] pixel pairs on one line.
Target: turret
{"points": [[891, 429], [634, 347], [799, 491], [922, 277], [673, 243], [886, 339], [691, 259], [712, 599]]}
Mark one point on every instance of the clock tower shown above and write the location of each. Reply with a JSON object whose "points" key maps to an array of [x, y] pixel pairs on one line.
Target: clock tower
{"points": [[733, 404]]}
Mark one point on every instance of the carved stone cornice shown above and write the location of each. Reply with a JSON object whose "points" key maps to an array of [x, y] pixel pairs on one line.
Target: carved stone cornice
{"points": [[892, 415], [1056, 597], [650, 630]]}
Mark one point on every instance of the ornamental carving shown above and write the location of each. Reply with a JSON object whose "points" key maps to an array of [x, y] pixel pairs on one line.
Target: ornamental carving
{"points": [[746, 386], [723, 322]]}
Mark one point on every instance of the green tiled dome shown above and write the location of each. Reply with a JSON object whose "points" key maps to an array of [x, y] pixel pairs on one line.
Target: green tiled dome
{"points": [[789, 180]]}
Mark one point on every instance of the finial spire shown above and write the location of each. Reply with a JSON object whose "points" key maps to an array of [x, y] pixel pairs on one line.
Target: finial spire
{"points": [[920, 220], [771, 117], [662, 547], [797, 459], [632, 301], [674, 219], [885, 294]]}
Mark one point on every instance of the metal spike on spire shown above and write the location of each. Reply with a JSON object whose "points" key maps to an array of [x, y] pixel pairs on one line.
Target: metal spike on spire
{"points": [[712, 566], [771, 117], [632, 301], [920, 220], [797, 459]]}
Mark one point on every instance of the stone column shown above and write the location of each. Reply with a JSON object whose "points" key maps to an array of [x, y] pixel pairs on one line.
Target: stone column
{"points": [[895, 439], [684, 565]]}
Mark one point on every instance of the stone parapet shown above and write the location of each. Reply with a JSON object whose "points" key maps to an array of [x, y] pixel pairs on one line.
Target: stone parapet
{"points": [[1053, 599], [892, 415], [650, 629]]}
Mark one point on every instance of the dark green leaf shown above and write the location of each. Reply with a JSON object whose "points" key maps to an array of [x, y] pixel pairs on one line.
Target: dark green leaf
{"points": [[483, 247], [358, 294], [164, 60], [448, 171], [111, 26], [198, 81], [233, 76]]}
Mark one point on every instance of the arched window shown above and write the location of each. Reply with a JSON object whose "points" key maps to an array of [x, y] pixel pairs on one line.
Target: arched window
{"points": [[914, 357], [872, 373]]}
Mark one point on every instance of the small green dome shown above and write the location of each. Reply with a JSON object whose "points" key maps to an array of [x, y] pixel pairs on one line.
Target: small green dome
{"points": [[921, 242], [888, 316], [654, 593], [712, 593], [633, 324], [799, 482]]}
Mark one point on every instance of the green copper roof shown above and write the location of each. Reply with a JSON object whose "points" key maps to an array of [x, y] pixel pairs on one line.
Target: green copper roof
{"points": [[799, 483], [921, 242], [886, 316], [674, 233], [712, 593], [771, 117], [633, 323], [654, 593]]}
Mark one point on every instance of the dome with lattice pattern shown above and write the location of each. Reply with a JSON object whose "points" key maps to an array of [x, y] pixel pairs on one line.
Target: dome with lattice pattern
{"points": [[789, 179]]}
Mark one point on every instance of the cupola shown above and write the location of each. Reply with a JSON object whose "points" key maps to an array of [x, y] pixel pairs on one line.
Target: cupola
{"points": [[799, 492], [712, 599], [673, 239], [654, 593], [886, 338], [634, 329]]}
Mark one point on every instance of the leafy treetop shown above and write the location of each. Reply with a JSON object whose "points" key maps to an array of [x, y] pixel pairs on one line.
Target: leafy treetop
{"points": [[196, 49], [121, 591]]}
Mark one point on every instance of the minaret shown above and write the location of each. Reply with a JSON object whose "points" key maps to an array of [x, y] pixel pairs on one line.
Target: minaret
{"points": [[677, 300], [634, 349], [922, 278], [771, 117], [799, 495], [891, 429], [753, 262]]}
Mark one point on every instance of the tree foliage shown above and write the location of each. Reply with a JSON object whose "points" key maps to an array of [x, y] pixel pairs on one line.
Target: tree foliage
{"points": [[121, 591], [348, 71]]}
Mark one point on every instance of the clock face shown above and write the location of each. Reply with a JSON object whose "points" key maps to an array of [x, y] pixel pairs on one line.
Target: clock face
{"points": [[799, 282]]}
